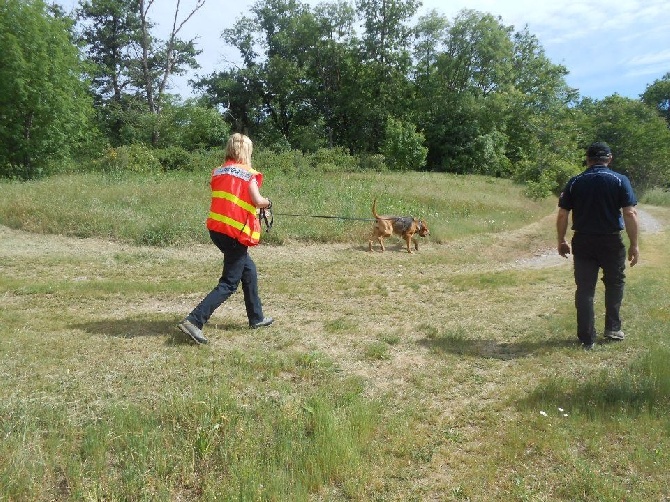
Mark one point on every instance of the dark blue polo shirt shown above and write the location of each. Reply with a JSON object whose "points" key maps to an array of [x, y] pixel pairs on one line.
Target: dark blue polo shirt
{"points": [[595, 198]]}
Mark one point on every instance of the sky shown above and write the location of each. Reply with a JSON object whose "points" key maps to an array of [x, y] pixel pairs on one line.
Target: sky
{"points": [[608, 47]]}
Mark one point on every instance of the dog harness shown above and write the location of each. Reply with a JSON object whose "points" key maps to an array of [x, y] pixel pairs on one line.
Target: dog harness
{"points": [[403, 223]]}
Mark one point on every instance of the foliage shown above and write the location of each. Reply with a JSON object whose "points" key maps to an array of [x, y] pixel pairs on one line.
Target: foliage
{"points": [[403, 146], [332, 160], [46, 113], [639, 137], [546, 177], [470, 89], [130, 65], [657, 95], [656, 197], [191, 125], [136, 158], [173, 158], [394, 90]]}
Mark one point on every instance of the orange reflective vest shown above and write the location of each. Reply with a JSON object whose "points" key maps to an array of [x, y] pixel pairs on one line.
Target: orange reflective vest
{"points": [[232, 213]]}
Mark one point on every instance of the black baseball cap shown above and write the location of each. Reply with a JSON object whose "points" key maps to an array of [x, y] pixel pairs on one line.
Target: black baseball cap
{"points": [[598, 150]]}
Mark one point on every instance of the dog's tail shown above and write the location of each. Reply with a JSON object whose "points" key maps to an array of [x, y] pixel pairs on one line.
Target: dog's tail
{"points": [[374, 208]]}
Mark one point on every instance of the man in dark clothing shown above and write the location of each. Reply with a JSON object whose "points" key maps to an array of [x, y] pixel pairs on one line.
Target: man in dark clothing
{"points": [[603, 204]]}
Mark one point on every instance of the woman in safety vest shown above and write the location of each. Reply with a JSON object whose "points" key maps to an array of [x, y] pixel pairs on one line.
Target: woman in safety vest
{"points": [[233, 226]]}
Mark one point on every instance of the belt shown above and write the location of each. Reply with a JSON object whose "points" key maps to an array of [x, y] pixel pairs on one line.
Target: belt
{"points": [[618, 232]]}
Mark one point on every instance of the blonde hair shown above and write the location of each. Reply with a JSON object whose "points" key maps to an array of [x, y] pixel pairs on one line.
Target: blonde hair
{"points": [[239, 149]]}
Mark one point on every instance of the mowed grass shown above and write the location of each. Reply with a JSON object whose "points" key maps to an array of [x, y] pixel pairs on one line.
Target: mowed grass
{"points": [[449, 374]]}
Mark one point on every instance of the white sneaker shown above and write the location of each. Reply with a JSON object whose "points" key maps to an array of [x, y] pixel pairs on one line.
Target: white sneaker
{"points": [[614, 335], [192, 330]]}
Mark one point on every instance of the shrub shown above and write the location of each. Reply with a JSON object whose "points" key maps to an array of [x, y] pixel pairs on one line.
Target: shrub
{"points": [[403, 146], [546, 178], [287, 162], [373, 162], [173, 158], [656, 197], [136, 158], [333, 159]]}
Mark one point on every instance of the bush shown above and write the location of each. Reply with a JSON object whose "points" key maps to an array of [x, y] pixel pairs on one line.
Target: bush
{"points": [[173, 158], [656, 197], [333, 159], [373, 162], [287, 162], [403, 146], [135, 158], [546, 178], [12, 171]]}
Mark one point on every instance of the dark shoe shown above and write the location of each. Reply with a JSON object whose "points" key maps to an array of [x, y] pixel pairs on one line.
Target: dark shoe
{"points": [[193, 331], [265, 322], [614, 335], [588, 346]]}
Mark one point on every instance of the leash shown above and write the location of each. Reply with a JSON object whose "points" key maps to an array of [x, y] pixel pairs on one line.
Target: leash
{"points": [[326, 216], [266, 216]]}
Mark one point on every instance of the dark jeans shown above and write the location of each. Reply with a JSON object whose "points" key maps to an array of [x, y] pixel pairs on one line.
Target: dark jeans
{"points": [[591, 253], [237, 266]]}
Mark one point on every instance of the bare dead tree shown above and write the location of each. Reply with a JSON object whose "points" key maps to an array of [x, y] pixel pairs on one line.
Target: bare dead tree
{"points": [[154, 94]]}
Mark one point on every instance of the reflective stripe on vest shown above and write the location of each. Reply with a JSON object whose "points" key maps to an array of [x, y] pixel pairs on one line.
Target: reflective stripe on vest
{"points": [[232, 213]]}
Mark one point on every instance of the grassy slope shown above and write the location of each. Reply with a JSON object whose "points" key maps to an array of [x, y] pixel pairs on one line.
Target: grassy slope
{"points": [[434, 376]]}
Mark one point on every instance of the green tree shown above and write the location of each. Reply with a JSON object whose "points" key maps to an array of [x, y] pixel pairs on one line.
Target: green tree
{"points": [[131, 66], [403, 146], [657, 95], [465, 112], [44, 104], [159, 60], [543, 145], [272, 93], [110, 33], [490, 101], [486, 99], [639, 137], [331, 67], [192, 125], [381, 87]]}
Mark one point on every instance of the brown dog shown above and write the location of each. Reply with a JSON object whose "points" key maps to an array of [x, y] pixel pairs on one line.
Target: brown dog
{"points": [[405, 226]]}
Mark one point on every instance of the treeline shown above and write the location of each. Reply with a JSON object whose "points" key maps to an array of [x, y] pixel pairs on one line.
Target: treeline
{"points": [[377, 79]]}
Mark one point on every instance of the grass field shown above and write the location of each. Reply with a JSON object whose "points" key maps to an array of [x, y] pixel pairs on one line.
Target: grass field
{"points": [[450, 374]]}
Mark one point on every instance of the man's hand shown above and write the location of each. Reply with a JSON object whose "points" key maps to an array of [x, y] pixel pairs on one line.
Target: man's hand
{"points": [[561, 228], [563, 249], [633, 255]]}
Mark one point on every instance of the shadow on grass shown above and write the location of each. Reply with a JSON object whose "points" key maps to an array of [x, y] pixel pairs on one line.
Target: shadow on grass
{"points": [[493, 349], [138, 327], [132, 328]]}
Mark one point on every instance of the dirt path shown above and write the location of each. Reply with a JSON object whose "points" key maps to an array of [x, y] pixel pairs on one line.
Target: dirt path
{"points": [[14, 243]]}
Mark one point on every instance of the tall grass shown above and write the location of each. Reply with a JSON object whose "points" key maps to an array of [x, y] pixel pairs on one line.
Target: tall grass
{"points": [[170, 208], [275, 445], [656, 197], [641, 387]]}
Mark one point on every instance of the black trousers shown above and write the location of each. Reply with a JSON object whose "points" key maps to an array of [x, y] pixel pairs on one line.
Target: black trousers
{"points": [[590, 254], [237, 267]]}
